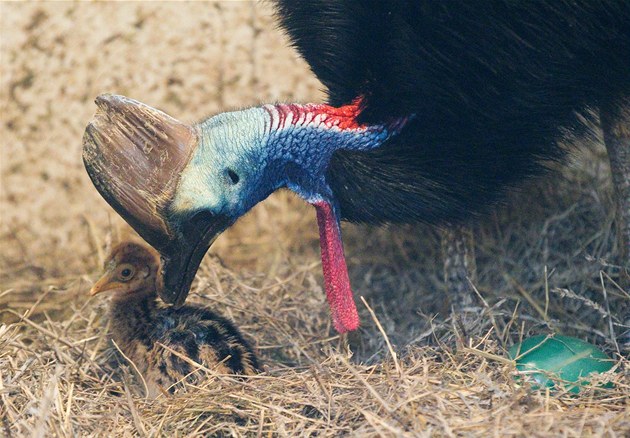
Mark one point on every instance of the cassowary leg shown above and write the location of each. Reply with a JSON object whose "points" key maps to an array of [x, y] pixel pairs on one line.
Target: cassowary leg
{"points": [[615, 121], [459, 266]]}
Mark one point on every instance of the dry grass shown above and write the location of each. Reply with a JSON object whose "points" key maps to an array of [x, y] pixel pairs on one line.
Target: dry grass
{"points": [[59, 375], [546, 261]]}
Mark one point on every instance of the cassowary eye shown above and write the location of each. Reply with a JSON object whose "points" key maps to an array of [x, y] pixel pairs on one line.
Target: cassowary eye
{"points": [[233, 176]]}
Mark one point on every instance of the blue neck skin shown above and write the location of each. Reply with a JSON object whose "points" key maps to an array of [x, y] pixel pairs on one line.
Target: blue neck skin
{"points": [[244, 156]]}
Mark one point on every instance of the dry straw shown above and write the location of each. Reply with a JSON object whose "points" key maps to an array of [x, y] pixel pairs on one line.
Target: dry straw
{"points": [[60, 377]]}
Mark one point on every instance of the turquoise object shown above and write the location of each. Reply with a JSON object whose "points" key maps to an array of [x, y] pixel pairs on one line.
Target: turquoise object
{"points": [[545, 358]]}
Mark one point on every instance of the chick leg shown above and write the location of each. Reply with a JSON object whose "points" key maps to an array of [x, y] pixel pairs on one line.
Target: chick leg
{"points": [[459, 266], [615, 121]]}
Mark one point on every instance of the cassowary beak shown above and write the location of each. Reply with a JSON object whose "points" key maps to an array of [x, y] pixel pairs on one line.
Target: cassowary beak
{"points": [[135, 156], [184, 253]]}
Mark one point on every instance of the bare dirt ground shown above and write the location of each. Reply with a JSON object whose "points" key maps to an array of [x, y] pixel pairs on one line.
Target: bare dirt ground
{"points": [[546, 259]]}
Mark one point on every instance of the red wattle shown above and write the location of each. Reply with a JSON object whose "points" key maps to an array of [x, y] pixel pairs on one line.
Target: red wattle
{"points": [[337, 284]]}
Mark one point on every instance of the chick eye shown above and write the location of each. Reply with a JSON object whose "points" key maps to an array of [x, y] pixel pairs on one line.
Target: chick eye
{"points": [[234, 178], [126, 273]]}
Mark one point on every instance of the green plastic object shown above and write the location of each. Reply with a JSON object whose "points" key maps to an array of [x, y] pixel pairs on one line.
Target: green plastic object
{"points": [[546, 358]]}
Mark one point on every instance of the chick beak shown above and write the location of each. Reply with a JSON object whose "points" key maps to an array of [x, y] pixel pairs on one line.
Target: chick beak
{"points": [[135, 156], [104, 284]]}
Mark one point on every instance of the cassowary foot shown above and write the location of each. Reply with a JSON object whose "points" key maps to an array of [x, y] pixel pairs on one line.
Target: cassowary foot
{"points": [[615, 121], [459, 270]]}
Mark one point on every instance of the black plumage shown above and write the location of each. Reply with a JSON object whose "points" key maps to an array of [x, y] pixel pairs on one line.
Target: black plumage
{"points": [[494, 86]]}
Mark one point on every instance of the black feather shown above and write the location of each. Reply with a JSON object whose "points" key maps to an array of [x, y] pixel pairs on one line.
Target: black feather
{"points": [[494, 86]]}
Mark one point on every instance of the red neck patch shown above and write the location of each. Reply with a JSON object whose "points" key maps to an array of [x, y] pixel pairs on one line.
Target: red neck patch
{"points": [[343, 118]]}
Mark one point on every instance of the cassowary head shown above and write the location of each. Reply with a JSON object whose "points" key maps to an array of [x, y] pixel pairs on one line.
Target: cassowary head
{"points": [[180, 186]]}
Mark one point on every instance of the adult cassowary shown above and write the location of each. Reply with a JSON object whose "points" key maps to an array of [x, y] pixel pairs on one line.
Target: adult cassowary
{"points": [[435, 109]]}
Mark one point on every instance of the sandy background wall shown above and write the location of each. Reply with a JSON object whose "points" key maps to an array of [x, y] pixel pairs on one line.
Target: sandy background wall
{"points": [[188, 59]]}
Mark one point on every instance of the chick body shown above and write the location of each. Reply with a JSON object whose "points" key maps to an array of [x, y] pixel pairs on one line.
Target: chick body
{"points": [[148, 332]]}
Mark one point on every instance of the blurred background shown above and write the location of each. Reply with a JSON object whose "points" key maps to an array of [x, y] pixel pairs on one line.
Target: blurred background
{"points": [[548, 252]]}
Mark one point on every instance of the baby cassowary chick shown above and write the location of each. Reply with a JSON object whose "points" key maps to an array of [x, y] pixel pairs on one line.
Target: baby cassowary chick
{"points": [[140, 323]]}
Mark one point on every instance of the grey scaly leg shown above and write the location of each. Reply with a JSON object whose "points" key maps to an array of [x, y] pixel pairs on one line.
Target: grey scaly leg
{"points": [[459, 266]]}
